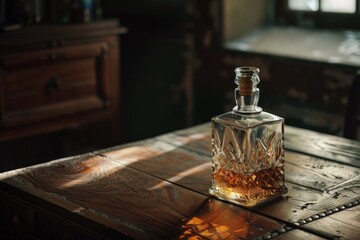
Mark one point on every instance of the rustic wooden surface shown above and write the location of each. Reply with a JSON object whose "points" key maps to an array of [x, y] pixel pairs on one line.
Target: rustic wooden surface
{"points": [[158, 189]]}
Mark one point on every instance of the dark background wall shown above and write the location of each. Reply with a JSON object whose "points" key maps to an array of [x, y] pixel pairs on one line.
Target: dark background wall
{"points": [[155, 57]]}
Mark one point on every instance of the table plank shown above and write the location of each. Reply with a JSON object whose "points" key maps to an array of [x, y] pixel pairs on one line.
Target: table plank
{"points": [[322, 145], [307, 177], [166, 162], [343, 225], [159, 188], [298, 234], [301, 169], [339, 197], [303, 173], [193, 171], [315, 172], [113, 193], [313, 143], [119, 193]]}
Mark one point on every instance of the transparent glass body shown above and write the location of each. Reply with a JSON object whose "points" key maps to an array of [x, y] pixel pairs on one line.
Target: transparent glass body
{"points": [[247, 149]]}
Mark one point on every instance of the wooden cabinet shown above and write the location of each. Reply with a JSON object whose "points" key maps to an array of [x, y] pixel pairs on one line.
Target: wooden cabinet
{"points": [[56, 77]]}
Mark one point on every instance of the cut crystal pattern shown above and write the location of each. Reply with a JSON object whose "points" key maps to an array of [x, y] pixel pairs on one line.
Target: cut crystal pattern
{"points": [[248, 163], [247, 147]]}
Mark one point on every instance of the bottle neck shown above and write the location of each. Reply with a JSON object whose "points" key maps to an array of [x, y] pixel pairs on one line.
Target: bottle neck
{"points": [[247, 94]]}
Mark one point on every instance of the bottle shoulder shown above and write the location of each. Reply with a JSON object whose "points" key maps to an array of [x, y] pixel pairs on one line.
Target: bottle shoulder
{"points": [[247, 120]]}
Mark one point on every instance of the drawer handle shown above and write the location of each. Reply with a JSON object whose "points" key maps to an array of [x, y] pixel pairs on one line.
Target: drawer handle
{"points": [[53, 84]]}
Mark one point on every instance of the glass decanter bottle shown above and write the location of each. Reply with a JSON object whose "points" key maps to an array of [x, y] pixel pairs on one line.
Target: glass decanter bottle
{"points": [[247, 147]]}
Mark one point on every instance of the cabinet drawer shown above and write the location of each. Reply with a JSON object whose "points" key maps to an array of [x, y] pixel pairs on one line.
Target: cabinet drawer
{"points": [[73, 80], [47, 56]]}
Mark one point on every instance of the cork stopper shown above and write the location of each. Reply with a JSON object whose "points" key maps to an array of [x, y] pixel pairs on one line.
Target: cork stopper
{"points": [[245, 86], [247, 93], [245, 79]]}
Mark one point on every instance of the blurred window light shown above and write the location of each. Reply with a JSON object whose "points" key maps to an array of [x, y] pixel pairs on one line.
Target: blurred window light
{"points": [[340, 6], [304, 5]]}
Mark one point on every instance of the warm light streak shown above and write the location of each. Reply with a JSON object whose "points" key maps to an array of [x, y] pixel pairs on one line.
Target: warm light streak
{"points": [[182, 175], [99, 167], [90, 170]]}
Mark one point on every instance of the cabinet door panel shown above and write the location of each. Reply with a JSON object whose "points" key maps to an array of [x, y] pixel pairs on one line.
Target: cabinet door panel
{"points": [[43, 90]]}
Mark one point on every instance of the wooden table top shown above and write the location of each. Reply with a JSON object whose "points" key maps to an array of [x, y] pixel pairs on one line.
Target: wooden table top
{"points": [[158, 189]]}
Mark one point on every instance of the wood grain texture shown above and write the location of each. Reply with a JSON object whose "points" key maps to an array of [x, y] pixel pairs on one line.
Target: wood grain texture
{"points": [[311, 143], [315, 172], [323, 146], [307, 170], [344, 224], [123, 196], [158, 188], [307, 177], [298, 234], [115, 191], [168, 163], [301, 169], [193, 171]]}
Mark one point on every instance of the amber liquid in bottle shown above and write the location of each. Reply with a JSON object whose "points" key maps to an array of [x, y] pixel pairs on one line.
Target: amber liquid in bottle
{"points": [[247, 148]]}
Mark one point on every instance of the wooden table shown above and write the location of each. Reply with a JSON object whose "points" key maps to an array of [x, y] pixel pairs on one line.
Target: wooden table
{"points": [[158, 189]]}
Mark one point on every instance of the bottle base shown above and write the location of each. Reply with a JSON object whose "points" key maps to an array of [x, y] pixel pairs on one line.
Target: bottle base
{"points": [[246, 200]]}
